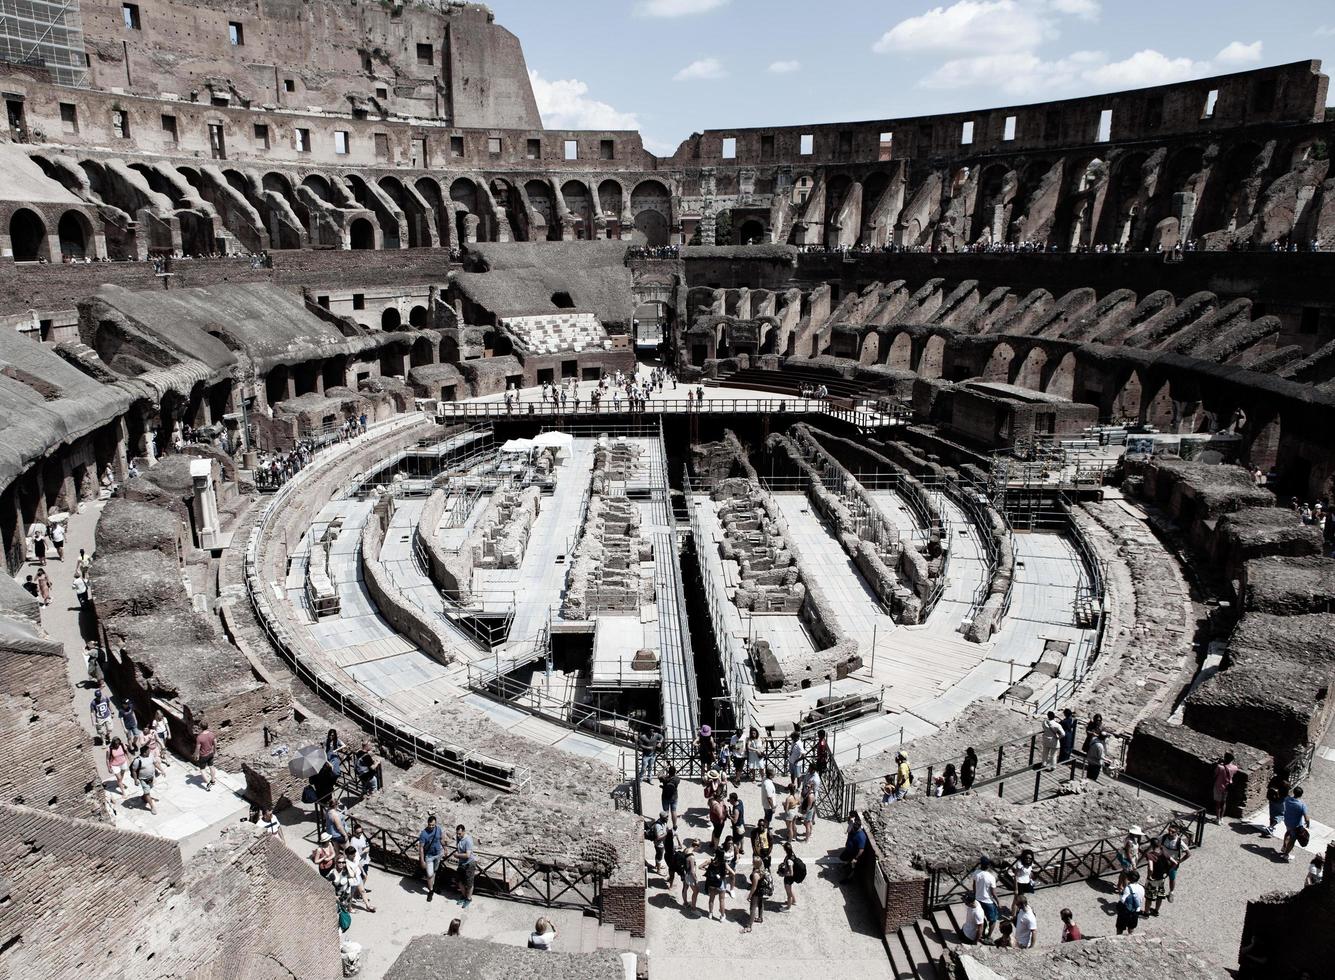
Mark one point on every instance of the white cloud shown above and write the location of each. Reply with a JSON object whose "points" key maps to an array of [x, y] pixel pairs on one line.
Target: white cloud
{"points": [[785, 67], [677, 8], [1238, 53], [1325, 30], [1085, 9], [701, 70], [564, 104], [971, 25], [1147, 67], [1023, 73]]}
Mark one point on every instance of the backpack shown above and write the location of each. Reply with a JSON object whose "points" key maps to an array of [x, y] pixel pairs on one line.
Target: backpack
{"points": [[1131, 902], [766, 885], [137, 767], [799, 870]]}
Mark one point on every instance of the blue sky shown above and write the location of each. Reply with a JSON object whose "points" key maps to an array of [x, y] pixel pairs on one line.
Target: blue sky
{"points": [[672, 67]]}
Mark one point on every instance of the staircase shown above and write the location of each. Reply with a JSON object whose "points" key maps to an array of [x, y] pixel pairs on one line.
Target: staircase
{"points": [[916, 950], [595, 935]]}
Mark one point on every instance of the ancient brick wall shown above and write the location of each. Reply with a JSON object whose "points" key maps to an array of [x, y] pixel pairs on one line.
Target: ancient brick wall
{"points": [[623, 907], [1181, 761]]}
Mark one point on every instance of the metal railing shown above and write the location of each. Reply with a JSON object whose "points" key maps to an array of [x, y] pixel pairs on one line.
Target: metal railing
{"points": [[847, 411], [610, 726], [532, 880], [395, 733]]}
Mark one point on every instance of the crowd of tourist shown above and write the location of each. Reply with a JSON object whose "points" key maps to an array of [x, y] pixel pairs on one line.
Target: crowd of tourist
{"points": [[634, 391], [1319, 514], [1028, 247], [654, 252]]}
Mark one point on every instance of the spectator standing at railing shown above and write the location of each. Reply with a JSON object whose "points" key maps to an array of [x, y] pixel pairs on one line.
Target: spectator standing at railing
{"points": [[795, 758], [1068, 724], [649, 742], [1051, 736], [969, 768], [1094, 753], [704, 745]]}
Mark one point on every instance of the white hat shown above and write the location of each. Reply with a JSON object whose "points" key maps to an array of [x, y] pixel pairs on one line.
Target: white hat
{"points": [[1135, 831]]}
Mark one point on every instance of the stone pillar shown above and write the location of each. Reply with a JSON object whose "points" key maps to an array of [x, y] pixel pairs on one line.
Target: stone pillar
{"points": [[204, 503]]}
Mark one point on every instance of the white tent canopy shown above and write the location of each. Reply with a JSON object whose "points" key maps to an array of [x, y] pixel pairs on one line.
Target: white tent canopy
{"points": [[516, 446], [560, 441]]}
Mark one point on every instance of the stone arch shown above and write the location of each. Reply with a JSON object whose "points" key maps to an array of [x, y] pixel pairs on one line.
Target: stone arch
{"points": [[420, 354], [320, 187], [414, 214], [27, 236], [871, 347], [651, 205], [899, 352], [932, 361], [751, 232], [1060, 379], [429, 188], [1028, 373], [361, 234], [542, 200], [991, 206], [391, 318], [1158, 410], [612, 199], [75, 233], [1127, 403], [464, 193], [998, 366], [579, 202], [506, 197], [417, 316], [449, 350]]}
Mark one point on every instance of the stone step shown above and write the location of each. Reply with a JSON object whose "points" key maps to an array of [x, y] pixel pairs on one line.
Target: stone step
{"points": [[589, 927]]}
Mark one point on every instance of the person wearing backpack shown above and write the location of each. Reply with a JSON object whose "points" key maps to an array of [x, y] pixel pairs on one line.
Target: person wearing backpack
{"points": [[143, 770], [1130, 904], [793, 870], [716, 880], [762, 887]]}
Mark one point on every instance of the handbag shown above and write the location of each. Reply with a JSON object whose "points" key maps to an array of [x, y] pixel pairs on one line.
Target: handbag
{"points": [[344, 918]]}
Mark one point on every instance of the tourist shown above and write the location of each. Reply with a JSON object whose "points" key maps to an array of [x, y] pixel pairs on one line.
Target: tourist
{"points": [[737, 818], [985, 890], [768, 796], [753, 751], [1128, 855], [30, 586], [324, 855], [1070, 931], [975, 920], [44, 586], [118, 761], [456, 927], [334, 750], [1177, 849], [336, 824], [762, 843], [855, 845], [716, 879], [1069, 725], [1004, 940], [713, 785], [1052, 736], [793, 871], [1276, 792], [367, 767], [130, 722], [811, 787], [466, 857], [1022, 872], [92, 655], [795, 758], [903, 776], [950, 780], [543, 936], [737, 753], [38, 534], [1094, 753], [206, 744], [658, 832], [1130, 902], [144, 770], [650, 741], [790, 813], [1224, 771], [162, 735], [100, 711], [670, 791], [80, 586], [822, 752], [346, 883], [1316, 870], [718, 815], [1297, 822], [762, 887], [1093, 727], [429, 853], [1157, 867], [1026, 924], [705, 748], [969, 768], [58, 539], [888, 788], [689, 865]]}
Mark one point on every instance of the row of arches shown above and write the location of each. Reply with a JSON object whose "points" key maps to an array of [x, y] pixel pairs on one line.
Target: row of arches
{"points": [[30, 238]]}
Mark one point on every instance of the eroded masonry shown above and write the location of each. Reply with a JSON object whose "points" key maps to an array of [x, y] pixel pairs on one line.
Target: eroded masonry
{"points": [[339, 393]]}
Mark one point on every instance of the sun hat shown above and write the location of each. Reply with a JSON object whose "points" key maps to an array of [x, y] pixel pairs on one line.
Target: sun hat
{"points": [[706, 730]]}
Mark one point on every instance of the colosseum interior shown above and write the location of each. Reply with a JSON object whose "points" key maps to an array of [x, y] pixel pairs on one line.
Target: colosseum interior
{"points": [[403, 457]]}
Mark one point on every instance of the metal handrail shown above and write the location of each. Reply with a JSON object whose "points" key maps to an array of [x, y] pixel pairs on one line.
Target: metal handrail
{"points": [[569, 713], [795, 405]]}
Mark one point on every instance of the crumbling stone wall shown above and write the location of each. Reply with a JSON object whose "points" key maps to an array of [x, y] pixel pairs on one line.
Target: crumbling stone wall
{"points": [[498, 539], [1180, 760], [398, 610], [455, 958], [605, 571], [1259, 532], [1288, 586], [1290, 931]]}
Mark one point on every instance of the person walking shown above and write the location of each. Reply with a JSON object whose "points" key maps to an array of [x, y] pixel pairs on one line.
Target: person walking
{"points": [[1276, 792], [429, 852], [162, 734], [100, 711], [206, 745], [793, 871], [903, 776], [658, 832], [130, 722], [716, 879], [323, 856], [38, 532], [1177, 849], [1022, 872], [143, 770], [1130, 903], [795, 759], [118, 762], [58, 539], [811, 787], [968, 768], [1128, 855], [762, 887], [689, 863], [1297, 822], [950, 780], [466, 856], [80, 586], [1026, 924], [670, 791], [762, 842], [1224, 771], [1051, 737], [737, 818], [1157, 865], [768, 796], [44, 586], [718, 815], [974, 926]]}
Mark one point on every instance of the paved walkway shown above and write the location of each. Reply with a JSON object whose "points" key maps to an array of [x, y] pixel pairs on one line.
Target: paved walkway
{"points": [[831, 932]]}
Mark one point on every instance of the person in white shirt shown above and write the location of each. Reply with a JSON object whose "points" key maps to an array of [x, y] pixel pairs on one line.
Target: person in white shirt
{"points": [[1051, 737], [1026, 923], [1130, 904], [543, 936], [985, 891], [975, 921], [1022, 870], [767, 794]]}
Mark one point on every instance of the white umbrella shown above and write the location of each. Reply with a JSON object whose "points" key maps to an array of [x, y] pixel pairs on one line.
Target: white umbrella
{"points": [[306, 762]]}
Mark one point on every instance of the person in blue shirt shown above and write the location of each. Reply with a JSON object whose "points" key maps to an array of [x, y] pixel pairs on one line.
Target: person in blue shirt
{"points": [[1296, 820], [429, 852], [854, 847]]}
